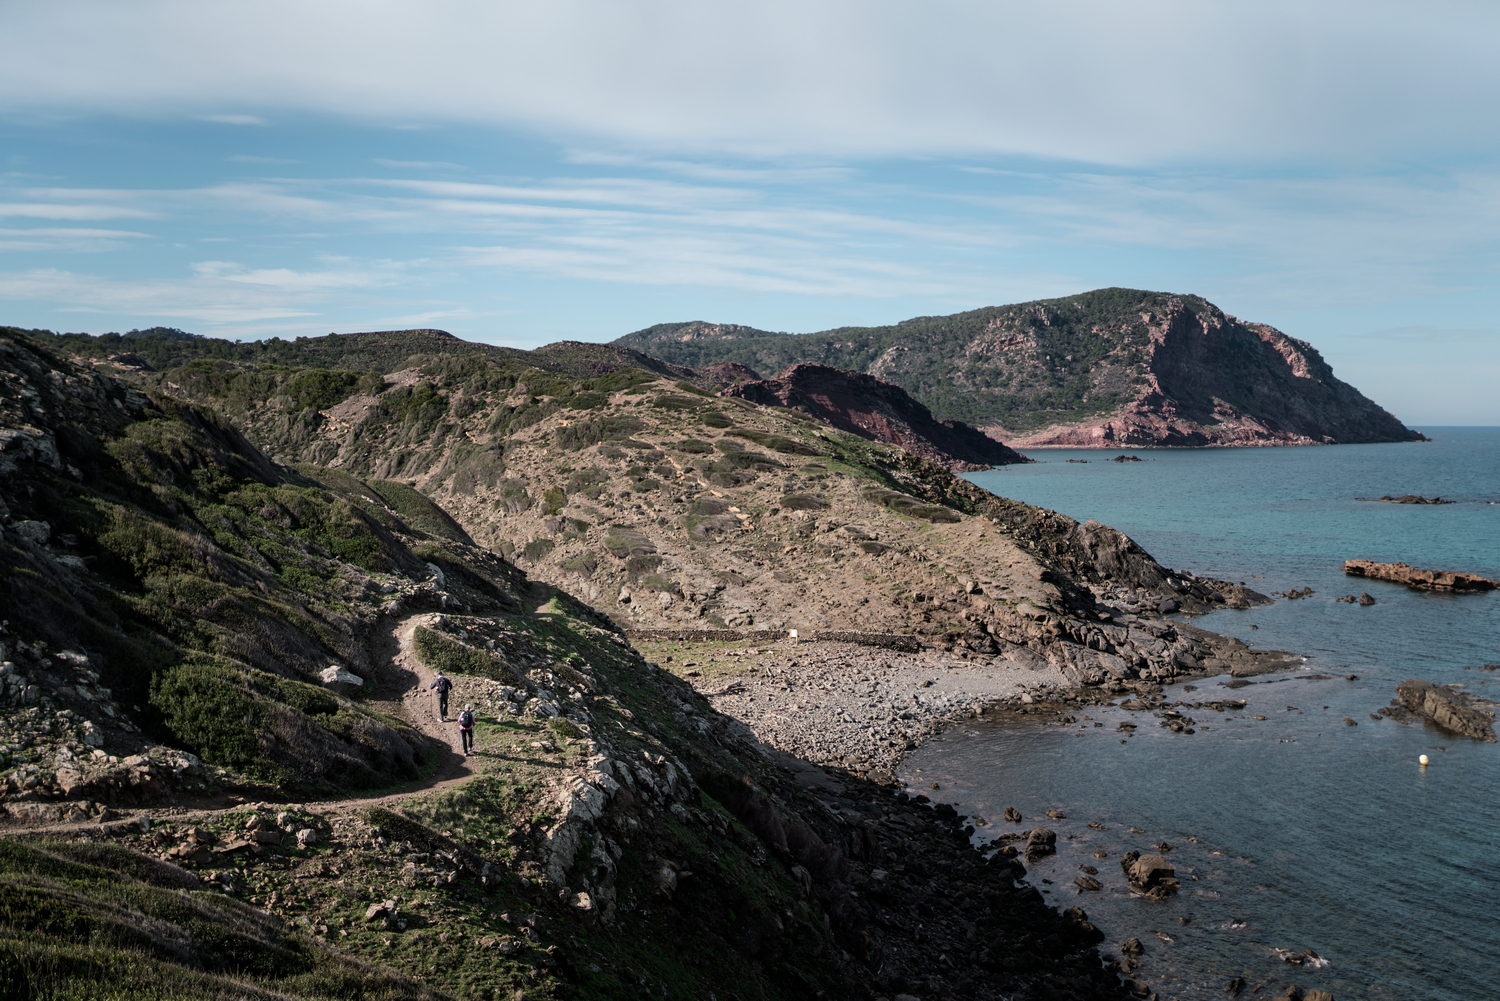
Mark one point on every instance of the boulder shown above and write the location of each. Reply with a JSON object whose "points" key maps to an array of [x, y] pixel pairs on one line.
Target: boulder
{"points": [[386, 913], [35, 532], [1012, 815], [307, 837], [1040, 842], [1447, 709], [266, 837], [340, 680], [1087, 883]]}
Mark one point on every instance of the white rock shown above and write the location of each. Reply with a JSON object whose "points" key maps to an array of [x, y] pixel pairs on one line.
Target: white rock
{"points": [[337, 677]]}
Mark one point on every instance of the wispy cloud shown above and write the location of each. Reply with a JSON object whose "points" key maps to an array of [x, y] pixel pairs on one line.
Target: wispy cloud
{"points": [[66, 239], [233, 119], [80, 213], [217, 293], [419, 164], [247, 158]]}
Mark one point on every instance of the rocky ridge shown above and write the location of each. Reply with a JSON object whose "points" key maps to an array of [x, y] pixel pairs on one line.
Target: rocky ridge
{"points": [[1104, 369], [870, 408]]}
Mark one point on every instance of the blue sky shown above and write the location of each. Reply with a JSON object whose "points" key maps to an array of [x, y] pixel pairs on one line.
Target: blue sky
{"points": [[525, 173]]}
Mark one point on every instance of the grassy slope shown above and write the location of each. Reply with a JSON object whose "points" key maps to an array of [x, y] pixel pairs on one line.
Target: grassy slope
{"points": [[217, 585]]}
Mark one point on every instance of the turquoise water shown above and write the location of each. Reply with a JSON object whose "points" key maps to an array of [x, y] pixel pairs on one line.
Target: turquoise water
{"points": [[1302, 832]]}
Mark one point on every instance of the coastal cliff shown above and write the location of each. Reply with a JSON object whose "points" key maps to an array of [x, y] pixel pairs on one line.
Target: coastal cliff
{"points": [[1109, 368]]}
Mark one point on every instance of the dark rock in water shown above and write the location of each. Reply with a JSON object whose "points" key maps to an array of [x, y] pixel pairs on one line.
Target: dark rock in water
{"points": [[1012, 815], [1089, 869], [1350, 722], [1446, 707], [1376, 717], [1057, 815], [1126, 458], [1317, 995], [1236, 683], [1235, 987], [1425, 580], [1365, 599], [1154, 876], [1406, 499], [1162, 846], [1132, 947], [1039, 843], [1351, 677], [1087, 883]]}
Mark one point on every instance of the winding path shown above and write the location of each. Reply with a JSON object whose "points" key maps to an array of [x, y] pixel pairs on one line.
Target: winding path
{"points": [[401, 690]]}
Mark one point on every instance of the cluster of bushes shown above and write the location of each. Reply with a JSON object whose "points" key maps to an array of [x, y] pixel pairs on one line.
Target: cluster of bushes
{"points": [[911, 507], [281, 730], [595, 430], [446, 654], [777, 443]]}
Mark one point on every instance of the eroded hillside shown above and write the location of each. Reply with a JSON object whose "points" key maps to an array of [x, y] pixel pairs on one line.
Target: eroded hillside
{"points": [[672, 509], [186, 623]]}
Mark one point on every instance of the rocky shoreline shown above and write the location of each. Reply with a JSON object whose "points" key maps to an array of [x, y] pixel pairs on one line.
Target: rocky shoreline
{"points": [[858, 710]]}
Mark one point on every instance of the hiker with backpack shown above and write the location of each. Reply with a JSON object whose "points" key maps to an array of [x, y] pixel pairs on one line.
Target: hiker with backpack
{"points": [[442, 686], [466, 728]]}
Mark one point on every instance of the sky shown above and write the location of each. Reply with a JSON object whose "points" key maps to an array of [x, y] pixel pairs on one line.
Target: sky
{"points": [[526, 173]]}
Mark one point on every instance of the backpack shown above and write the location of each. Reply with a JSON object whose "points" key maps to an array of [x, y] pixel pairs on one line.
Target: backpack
{"points": [[466, 721], [443, 684]]}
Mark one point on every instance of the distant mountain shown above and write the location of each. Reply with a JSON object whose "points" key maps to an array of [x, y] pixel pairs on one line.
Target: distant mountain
{"points": [[1106, 368], [878, 411]]}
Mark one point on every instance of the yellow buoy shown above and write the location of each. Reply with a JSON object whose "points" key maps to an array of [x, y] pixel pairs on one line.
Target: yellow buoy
{"points": [[1422, 760]]}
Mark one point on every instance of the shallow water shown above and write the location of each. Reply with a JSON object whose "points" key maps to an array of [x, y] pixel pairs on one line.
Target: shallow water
{"points": [[1329, 836]]}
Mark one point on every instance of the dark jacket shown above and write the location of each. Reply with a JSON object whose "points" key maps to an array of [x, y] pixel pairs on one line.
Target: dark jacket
{"points": [[442, 685]]}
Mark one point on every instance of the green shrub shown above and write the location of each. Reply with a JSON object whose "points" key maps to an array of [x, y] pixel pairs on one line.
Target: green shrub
{"points": [[594, 430], [554, 500], [803, 502], [714, 419], [537, 549], [443, 653], [584, 564], [693, 446], [586, 401], [669, 401], [777, 443], [911, 507], [563, 728]]}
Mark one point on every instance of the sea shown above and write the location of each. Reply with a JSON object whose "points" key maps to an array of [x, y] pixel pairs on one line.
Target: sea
{"points": [[1310, 851]]}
